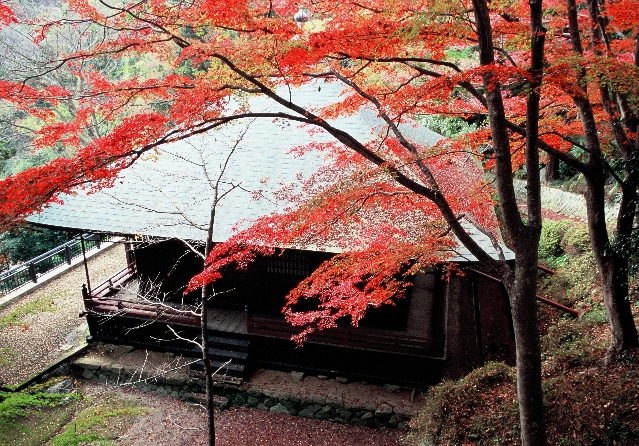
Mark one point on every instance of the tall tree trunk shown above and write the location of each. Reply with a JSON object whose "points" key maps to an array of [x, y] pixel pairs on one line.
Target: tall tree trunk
{"points": [[206, 295], [521, 279], [210, 410], [521, 286], [612, 263], [614, 275]]}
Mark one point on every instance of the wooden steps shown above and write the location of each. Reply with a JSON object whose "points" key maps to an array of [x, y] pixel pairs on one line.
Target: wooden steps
{"points": [[228, 358]]}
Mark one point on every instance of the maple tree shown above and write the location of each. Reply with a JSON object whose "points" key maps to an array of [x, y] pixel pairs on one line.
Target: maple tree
{"points": [[25, 59], [526, 66]]}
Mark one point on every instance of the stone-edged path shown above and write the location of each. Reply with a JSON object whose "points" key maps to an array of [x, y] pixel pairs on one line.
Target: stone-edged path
{"points": [[47, 327], [294, 393], [174, 422]]}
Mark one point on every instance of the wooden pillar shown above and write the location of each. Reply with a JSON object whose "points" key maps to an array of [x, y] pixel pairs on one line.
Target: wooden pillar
{"points": [[86, 267], [32, 273], [130, 254], [67, 254]]}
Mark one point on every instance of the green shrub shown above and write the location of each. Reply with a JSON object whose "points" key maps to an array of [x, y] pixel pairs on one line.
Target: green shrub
{"points": [[450, 127], [575, 283], [552, 234], [26, 243], [576, 239], [568, 345]]}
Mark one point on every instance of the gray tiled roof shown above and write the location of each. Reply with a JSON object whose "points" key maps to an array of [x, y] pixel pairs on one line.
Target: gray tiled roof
{"points": [[153, 196]]}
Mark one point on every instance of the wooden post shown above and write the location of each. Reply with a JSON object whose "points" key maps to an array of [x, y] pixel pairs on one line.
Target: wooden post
{"points": [[130, 254], [97, 240], [67, 254], [86, 268], [86, 298], [32, 273]]}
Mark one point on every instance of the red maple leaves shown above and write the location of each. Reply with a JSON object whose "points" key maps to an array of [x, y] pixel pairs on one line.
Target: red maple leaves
{"points": [[396, 58], [6, 15]]}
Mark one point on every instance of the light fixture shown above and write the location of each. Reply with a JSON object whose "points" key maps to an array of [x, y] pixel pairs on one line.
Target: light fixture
{"points": [[302, 16]]}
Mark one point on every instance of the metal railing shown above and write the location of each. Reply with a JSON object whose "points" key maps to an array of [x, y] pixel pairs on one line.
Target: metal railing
{"points": [[28, 272]]}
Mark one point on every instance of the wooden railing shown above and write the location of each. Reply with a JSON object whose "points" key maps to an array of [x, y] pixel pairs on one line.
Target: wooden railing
{"points": [[112, 285], [103, 300], [361, 338], [552, 303]]}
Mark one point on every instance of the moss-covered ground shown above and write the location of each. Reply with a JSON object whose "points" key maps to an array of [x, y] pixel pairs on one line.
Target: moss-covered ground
{"points": [[34, 417]]}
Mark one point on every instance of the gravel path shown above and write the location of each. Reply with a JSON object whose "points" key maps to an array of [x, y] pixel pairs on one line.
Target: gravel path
{"points": [[48, 325], [173, 422]]}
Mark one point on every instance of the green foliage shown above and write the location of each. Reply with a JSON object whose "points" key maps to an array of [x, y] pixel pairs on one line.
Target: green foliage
{"points": [[24, 160], [450, 127], [562, 237], [26, 243], [576, 240], [13, 405], [562, 243], [99, 424], [463, 54], [552, 234], [568, 345], [7, 151], [33, 416], [576, 282]]}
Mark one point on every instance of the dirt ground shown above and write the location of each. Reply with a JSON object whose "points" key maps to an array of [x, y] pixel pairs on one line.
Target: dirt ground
{"points": [[173, 422]]}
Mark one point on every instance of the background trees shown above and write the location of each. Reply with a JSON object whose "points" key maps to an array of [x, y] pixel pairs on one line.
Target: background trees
{"points": [[524, 65]]}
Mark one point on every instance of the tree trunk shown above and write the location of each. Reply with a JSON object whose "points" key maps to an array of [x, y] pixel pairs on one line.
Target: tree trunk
{"points": [[552, 169], [612, 265], [521, 279], [210, 411], [614, 276], [206, 295], [521, 286]]}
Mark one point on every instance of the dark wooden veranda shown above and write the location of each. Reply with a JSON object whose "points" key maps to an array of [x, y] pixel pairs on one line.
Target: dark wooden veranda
{"points": [[117, 314]]}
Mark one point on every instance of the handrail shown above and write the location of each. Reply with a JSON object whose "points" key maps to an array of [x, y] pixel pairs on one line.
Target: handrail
{"points": [[546, 270], [99, 302], [118, 278], [29, 271], [143, 310], [552, 303]]}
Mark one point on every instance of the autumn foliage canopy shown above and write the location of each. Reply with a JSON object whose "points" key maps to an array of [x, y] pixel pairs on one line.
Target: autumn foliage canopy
{"points": [[392, 205]]}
